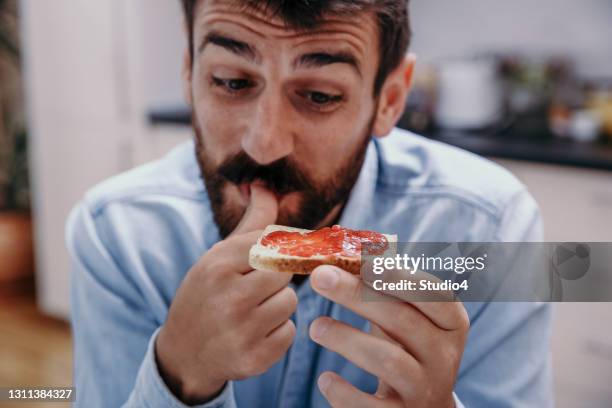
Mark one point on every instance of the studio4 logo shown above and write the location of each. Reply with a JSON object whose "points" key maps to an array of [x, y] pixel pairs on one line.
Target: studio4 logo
{"points": [[569, 261]]}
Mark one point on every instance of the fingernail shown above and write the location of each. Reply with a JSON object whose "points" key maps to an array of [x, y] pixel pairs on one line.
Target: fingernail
{"points": [[324, 381], [318, 328], [325, 277]]}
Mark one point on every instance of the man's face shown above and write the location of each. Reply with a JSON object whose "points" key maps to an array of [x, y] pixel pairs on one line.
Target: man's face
{"points": [[293, 109]]}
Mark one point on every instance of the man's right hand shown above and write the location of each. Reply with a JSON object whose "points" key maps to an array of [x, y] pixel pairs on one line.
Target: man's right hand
{"points": [[227, 321]]}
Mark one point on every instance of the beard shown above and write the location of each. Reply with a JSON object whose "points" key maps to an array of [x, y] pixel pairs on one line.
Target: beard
{"points": [[316, 199]]}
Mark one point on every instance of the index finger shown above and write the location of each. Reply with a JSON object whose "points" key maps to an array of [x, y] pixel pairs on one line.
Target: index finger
{"points": [[261, 212], [233, 253]]}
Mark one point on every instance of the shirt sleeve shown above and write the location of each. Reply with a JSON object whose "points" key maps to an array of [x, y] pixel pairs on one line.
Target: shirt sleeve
{"points": [[151, 391], [114, 330], [507, 363]]}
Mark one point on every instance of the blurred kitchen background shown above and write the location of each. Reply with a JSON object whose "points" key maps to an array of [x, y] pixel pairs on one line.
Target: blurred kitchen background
{"points": [[91, 89]]}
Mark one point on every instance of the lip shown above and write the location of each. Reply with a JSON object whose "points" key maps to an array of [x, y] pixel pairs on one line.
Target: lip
{"points": [[245, 191]]}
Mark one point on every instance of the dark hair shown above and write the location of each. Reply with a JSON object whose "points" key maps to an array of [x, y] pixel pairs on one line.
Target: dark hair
{"points": [[392, 16]]}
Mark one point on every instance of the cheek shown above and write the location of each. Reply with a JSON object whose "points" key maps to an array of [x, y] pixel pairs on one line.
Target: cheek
{"points": [[221, 128], [325, 144]]}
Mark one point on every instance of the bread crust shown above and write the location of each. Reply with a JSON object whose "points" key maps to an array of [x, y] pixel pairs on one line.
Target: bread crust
{"points": [[303, 266]]}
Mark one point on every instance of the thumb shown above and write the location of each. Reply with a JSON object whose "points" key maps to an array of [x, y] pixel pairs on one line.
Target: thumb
{"points": [[261, 212]]}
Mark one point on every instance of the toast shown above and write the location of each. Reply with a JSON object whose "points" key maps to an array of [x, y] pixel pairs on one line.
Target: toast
{"points": [[269, 258]]}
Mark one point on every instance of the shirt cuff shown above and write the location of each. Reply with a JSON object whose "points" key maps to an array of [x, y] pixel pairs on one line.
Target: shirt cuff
{"points": [[151, 391], [458, 403]]}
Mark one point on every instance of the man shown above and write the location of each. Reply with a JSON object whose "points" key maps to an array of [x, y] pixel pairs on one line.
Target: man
{"points": [[294, 106]]}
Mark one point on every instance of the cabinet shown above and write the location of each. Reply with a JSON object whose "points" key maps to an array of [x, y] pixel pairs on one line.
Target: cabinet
{"points": [[576, 203]]}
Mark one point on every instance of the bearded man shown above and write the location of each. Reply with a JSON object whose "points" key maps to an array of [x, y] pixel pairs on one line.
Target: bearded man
{"points": [[294, 105]]}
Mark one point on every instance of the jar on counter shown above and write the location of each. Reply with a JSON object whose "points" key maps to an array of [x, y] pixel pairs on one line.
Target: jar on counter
{"points": [[599, 101]]}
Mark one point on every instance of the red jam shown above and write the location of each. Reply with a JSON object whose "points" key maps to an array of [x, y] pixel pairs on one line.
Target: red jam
{"points": [[334, 240]]}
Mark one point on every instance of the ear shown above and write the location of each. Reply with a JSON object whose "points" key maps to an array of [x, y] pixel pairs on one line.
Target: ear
{"points": [[392, 98], [186, 75], [186, 72]]}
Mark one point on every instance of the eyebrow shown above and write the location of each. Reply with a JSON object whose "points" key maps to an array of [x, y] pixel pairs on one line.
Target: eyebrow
{"points": [[321, 59], [309, 60], [240, 48]]}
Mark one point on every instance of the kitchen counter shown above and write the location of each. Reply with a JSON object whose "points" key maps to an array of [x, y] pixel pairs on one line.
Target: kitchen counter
{"points": [[516, 145], [595, 155]]}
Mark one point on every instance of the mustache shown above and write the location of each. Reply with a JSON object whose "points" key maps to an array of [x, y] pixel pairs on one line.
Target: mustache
{"points": [[281, 176]]}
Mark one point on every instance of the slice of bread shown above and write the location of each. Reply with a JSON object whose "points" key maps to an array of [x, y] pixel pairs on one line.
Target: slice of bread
{"points": [[266, 258]]}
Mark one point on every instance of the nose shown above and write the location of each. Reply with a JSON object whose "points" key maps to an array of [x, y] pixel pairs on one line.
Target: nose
{"points": [[269, 137]]}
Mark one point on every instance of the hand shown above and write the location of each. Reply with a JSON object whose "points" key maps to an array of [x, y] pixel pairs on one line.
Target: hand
{"points": [[414, 348], [227, 322]]}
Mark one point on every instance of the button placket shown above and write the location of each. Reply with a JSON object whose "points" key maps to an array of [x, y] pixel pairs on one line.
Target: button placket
{"points": [[296, 384]]}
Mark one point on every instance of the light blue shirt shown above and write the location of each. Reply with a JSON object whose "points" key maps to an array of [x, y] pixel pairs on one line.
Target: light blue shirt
{"points": [[133, 238]]}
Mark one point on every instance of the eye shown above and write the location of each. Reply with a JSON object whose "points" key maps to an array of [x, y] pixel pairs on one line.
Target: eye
{"points": [[233, 85], [320, 101], [321, 98]]}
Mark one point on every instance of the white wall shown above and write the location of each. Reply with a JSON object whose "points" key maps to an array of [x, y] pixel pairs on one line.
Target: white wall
{"points": [[162, 42], [74, 99]]}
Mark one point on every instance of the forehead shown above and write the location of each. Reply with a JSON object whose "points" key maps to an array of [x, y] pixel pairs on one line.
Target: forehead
{"points": [[357, 31]]}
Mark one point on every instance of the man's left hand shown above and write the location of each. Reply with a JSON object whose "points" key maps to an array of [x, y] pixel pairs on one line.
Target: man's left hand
{"points": [[414, 348]]}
